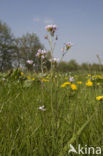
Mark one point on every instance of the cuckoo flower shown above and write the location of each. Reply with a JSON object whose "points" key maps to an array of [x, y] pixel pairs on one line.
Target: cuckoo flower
{"points": [[54, 60], [42, 108], [41, 53], [68, 46], [71, 79], [30, 62], [51, 28]]}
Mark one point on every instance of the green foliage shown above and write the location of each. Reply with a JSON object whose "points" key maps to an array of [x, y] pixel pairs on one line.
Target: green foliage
{"points": [[14, 52], [28, 46], [27, 130], [72, 65], [6, 47]]}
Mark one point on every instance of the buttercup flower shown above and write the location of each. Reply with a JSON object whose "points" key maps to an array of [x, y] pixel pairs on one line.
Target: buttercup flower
{"points": [[22, 73], [73, 86], [28, 77], [65, 84], [89, 83], [45, 80], [99, 98], [33, 78], [79, 82]]}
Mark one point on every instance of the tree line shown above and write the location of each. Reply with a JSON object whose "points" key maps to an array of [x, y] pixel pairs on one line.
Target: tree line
{"points": [[72, 65], [14, 53]]}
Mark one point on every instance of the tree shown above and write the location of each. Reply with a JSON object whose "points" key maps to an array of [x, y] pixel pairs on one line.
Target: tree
{"points": [[6, 47], [27, 47]]}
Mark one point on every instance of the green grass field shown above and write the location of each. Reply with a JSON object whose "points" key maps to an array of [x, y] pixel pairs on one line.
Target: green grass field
{"points": [[71, 114]]}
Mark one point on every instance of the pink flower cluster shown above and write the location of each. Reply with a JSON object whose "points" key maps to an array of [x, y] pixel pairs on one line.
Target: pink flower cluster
{"points": [[51, 28], [41, 53]]}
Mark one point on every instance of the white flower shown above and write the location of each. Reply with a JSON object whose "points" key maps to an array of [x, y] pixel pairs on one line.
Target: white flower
{"points": [[30, 61], [42, 108], [71, 79], [54, 60]]}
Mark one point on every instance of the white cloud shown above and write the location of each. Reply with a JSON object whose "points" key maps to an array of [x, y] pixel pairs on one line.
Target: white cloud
{"points": [[48, 21], [36, 19], [45, 20]]}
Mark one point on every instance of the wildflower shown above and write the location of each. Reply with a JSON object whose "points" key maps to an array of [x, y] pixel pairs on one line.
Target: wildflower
{"points": [[65, 84], [79, 82], [33, 78], [51, 28], [54, 60], [68, 46], [45, 80], [73, 86], [42, 108], [89, 83], [30, 61], [28, 77], [22, 73], [89, 75], [41, 53], [99, 98], [71, 79]]}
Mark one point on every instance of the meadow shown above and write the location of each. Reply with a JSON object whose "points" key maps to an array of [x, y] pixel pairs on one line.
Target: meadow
{"points": [[46, 113], [40, 116]]}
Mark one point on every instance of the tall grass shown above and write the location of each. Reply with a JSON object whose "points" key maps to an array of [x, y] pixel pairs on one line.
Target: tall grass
{"points": [[25, 130]]}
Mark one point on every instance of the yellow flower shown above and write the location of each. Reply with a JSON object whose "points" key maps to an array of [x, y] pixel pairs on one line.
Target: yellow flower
{"points": [[22, 73], [99, 98], [45, 80], [65, 84], [79, 82], [89, 75], [28, 77], [73, 86], [33, 78], [89, 83]]}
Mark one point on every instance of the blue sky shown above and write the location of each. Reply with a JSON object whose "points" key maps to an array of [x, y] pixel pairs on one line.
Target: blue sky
{"points": [[78, 21]]}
